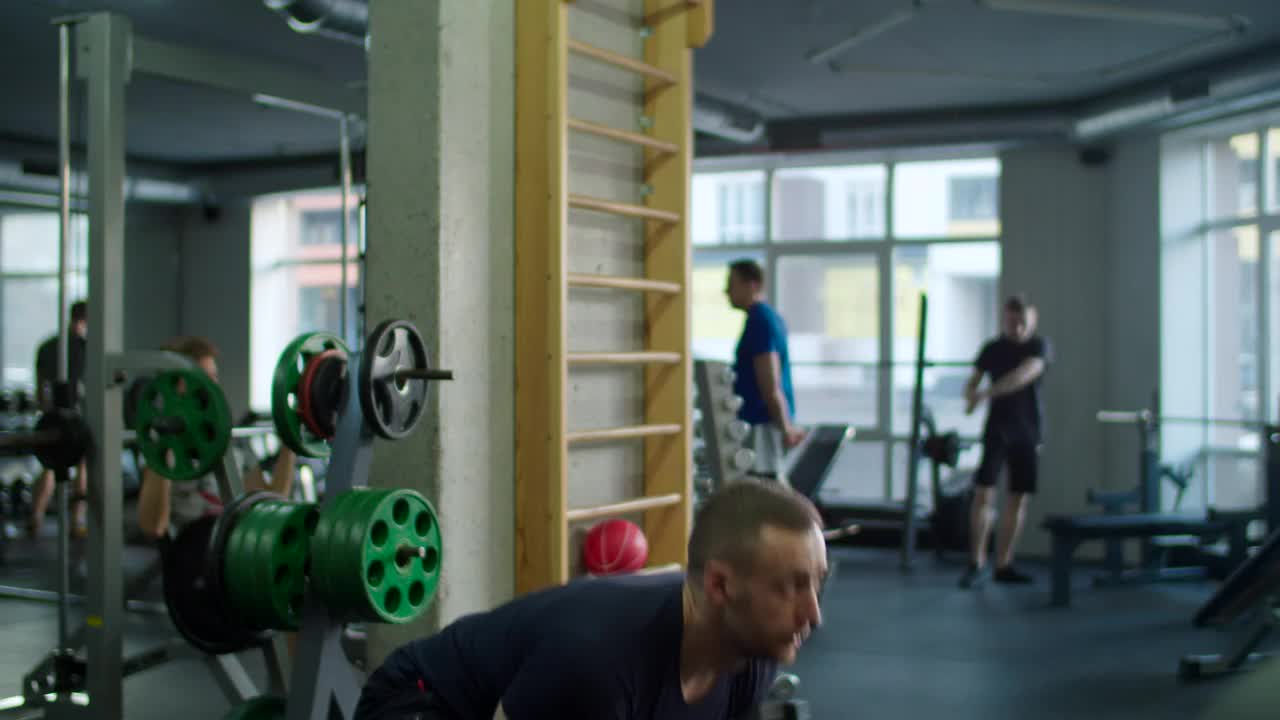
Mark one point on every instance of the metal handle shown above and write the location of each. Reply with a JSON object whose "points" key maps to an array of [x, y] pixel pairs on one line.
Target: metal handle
{"points": [[423, 374], [1124, 416], [28, 441]]}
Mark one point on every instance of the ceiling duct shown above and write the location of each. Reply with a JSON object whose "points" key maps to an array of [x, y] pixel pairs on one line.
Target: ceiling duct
{"points": [[339, 19], [348, 20]]}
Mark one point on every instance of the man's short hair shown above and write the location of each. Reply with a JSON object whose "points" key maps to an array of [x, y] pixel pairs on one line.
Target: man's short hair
{"points": [[79, 311], [730, 522], [1016, 303], [748, 269], [192, 346]]}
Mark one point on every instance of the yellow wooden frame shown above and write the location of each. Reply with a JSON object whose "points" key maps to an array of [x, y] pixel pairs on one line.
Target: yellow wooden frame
{"points": [[543, 49]]}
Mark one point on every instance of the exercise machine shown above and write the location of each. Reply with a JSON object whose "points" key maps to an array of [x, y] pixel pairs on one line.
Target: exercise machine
{"points": [[1146, 498], [1249, 600], [1069, 531], [108, 53]]}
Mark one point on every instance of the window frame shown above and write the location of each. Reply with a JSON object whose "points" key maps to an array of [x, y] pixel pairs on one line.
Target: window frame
{"points": [[771, 250]]}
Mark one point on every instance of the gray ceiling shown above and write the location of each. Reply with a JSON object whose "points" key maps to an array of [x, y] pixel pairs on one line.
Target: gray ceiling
{"points": [[952, 53], [170, 121], [952, 56]]}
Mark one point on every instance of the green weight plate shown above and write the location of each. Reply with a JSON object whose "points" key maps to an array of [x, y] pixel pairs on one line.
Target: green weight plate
{"points": [[183, 424], [376, 555], [285, 402], [193, 601], [266, 561], [259, 708]]}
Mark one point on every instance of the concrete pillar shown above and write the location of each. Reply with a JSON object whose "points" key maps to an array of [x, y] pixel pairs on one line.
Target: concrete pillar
{"points": [[441, 254]]}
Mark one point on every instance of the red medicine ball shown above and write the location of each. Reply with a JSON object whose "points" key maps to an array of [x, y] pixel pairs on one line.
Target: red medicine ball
{"points": [[615, 546]]}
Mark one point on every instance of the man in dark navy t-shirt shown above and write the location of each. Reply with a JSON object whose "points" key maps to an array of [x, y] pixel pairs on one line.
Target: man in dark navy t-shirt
{"points": [[762, 369], [1015, 363], [699, 645]]}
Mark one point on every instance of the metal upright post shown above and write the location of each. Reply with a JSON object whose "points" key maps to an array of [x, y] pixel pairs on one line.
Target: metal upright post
{"points": [[64, 228], [344, 159], [321, 677], [908, 550], [103, 44]]}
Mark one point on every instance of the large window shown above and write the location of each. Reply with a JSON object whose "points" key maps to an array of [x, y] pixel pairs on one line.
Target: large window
{"points": [[829, 203], [734, 208], [297, 277], [847, 250], [1220, 334], [29, 285]]}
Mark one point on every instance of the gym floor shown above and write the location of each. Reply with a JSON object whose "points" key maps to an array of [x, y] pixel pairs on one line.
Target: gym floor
{"points": [[893, 645]]}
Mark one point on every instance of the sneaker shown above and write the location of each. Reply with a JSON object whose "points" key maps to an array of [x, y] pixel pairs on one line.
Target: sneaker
{"points": [[972, 576], [1009, 574]]}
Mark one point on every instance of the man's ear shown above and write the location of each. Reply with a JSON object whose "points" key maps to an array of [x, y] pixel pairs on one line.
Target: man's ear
{"points": [[716, 577]]}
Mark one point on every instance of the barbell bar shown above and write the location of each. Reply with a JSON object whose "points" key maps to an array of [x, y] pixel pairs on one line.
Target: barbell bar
{"points": [[1146, 416]]}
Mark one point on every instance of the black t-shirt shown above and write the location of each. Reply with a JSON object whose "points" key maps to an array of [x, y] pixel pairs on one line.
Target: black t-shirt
{"points": [[47, 366], [1018, 416], [599, 648]]}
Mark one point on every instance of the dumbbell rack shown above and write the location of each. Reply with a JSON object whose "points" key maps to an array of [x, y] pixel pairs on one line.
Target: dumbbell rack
{"points": [[723, 455], [543, 47], [323, 680]]}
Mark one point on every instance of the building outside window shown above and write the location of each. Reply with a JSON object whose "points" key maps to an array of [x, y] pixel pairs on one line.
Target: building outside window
{"points": [[297, 275]]}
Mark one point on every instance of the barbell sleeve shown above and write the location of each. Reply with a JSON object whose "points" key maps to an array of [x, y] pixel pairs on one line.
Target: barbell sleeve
{"points": [[28, 441], [423, 374]]}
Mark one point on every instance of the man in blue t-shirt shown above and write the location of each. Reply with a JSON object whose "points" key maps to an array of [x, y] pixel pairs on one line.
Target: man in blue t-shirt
{"points": [[1015, 363], [762, 366], [701, 645]]}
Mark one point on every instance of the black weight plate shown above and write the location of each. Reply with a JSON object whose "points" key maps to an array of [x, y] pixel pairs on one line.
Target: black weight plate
{"points": [[393, 408], [215, 561], [329, 392], [196, 610], [73, 439]]}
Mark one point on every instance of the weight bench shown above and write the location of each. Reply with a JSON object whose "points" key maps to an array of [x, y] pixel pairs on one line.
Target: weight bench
{"points": [[1070, 530]]}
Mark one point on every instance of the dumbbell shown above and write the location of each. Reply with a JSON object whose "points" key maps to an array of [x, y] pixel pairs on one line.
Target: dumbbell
{"points": [[737, 431], [20, 495]]}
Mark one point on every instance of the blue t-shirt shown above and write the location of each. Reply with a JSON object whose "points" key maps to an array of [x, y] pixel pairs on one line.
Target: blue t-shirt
{"points": [[599, 648], [763, 332]]}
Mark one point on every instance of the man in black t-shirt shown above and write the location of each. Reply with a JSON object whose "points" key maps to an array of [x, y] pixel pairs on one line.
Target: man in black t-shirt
{"points": [[700, 645], [1015, 362], [46, 376]]}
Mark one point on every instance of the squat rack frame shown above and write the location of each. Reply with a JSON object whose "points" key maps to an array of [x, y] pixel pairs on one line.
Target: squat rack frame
{"points": [[107, 54]]}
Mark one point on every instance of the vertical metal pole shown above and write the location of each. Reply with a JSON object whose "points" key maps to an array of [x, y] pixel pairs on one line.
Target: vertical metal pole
{"points": [[885, 374], [344, 153], [913, 451], [64, 187], [103, 42], [64, 228]]}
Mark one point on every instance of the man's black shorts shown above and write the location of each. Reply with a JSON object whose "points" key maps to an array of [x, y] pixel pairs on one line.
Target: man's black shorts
{"points": [[1022, 458]]}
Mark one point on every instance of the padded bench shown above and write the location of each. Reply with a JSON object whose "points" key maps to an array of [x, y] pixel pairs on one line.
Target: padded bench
{"points": [[1071, 530]]}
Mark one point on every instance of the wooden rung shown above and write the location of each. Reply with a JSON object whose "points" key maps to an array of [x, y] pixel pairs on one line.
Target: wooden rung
{"points": [[622, 61], [623, 283], [584, 202], [669, 567], [653, 570], [621, 508], [624, 358], [621, 433], [625, 136]]}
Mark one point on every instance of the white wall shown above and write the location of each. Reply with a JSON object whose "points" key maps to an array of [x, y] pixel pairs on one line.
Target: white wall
{"points": [[214, 292], [1084, 242], [1133, 298], [441, 254]]}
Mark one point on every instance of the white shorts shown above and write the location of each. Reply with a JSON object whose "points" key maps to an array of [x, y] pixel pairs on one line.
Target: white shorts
{"points": [[766, 442]]}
